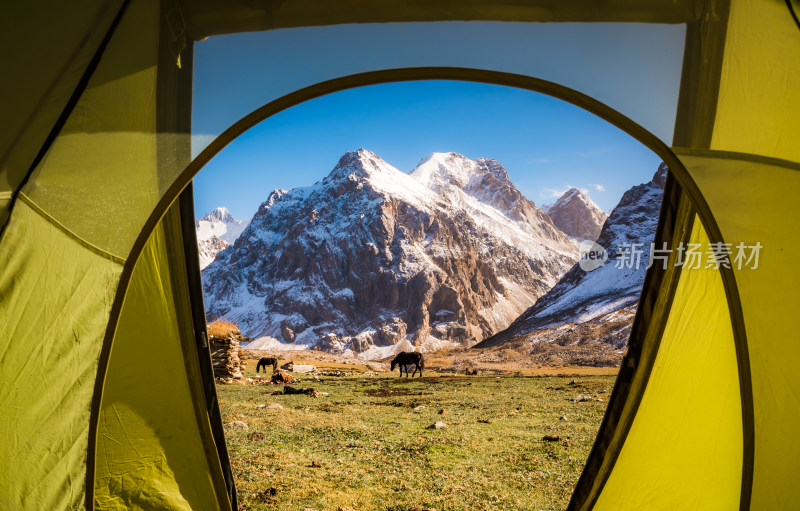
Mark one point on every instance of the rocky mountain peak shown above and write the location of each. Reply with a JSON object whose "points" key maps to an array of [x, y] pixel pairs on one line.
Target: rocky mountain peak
{"points": [[601, 295], [441, 169], [370, 257], [274, 196], [358, 165], [215, 232], [493, 167], [660, 177], [487, 181], [576, 214], [220, 214]]}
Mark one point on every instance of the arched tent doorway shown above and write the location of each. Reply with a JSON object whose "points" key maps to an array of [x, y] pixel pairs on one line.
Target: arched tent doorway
{"points": [[631, 386], [56, 150]]}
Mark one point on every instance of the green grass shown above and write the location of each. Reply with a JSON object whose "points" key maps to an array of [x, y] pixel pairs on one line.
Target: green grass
{"points": [[365, 445]]}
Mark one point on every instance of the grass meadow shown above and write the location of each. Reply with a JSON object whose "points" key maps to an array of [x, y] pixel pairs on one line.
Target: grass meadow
{"points": [[509, 441]]}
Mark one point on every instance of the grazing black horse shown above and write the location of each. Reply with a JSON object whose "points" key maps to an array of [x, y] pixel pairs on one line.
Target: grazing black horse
{"points": [[267, 361], [405, 359]]}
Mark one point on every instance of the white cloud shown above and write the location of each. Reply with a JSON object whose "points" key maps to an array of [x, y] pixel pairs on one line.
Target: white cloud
{"points": [[599, 187], [556, 193], [552, 192]]}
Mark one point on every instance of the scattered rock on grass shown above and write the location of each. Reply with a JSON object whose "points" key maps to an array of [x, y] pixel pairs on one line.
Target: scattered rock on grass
{"points": [[303, 368], [562, 418], [316, 464], [551, 438], [238, 424], [484, 421], [274, 406], [442, 412], [418, 408], [346, 508], [580, 399], [437, 425], [281, 376], [309, 392]]}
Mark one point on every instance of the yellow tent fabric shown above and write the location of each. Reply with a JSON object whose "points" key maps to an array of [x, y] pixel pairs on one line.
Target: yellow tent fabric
{"points": [[44, 76], [694, 388], [753, 199], [149, 454], [96, 246]]}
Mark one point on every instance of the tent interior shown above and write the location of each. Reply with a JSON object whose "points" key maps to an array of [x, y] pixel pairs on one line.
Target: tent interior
{"points": [[98, 261]]}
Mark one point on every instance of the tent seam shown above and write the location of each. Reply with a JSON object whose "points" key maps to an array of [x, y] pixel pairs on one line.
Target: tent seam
{"points": [[80, 88], [209, 390], [733, 155], [64, 229], [44, 99]]}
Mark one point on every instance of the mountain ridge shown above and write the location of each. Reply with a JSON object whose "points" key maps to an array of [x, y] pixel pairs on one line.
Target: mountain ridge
{"points": [[582, 297], [576, 214], [216, 231], [370, 257]]}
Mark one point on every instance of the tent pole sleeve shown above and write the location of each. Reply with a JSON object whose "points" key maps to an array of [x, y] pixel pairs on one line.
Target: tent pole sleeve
{"points": [[186, 202], [674, 225], [700, 78]]}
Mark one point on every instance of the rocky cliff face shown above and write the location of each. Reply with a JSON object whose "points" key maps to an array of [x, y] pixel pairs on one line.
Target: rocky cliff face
{"points": [[576, 214], [585, 297], [371, 257], [216, 231]]}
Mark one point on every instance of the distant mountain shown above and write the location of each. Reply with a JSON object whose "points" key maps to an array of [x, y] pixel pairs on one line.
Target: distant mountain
{"points": [[216, 231], [371, 257], [576, 214], [586, 297]]}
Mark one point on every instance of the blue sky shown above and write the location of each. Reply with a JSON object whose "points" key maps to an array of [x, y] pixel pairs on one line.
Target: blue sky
{"points": [[545, 144]]}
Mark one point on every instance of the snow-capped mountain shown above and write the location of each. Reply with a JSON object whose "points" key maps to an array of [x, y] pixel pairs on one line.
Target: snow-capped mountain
{"points": [[576, 214], [370, 257], [216, 231], [584, 297]]}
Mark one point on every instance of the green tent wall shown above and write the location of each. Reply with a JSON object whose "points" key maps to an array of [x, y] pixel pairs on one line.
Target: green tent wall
{"points": [[97, 260]]}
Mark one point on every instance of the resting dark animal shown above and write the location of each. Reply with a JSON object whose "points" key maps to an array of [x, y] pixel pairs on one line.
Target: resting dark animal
{"points": [[267, 361], [405, 359]]}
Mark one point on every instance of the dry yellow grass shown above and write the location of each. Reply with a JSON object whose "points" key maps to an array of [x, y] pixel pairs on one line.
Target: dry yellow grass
{"points": [[222, 329], [509, 442]]}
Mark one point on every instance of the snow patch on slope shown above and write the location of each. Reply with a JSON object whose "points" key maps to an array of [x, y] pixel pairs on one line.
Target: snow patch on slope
{"points": [[215, 232]]}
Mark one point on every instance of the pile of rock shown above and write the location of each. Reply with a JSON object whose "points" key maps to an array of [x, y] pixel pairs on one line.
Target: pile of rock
{"points": [[226, 355], [281, 376]]}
